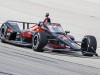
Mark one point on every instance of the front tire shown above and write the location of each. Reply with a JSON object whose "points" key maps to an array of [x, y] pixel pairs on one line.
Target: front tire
{"points": [[89, 45], [39, 40]]}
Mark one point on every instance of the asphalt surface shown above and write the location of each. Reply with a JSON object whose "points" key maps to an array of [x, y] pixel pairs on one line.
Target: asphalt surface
{"points": [[15, 61], [81, 17]]}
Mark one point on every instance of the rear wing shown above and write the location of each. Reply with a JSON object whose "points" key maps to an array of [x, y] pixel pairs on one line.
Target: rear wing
{"points": [[25, 24]]}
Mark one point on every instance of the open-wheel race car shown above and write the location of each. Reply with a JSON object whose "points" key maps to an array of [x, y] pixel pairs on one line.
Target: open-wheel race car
{"points": [[45, 36]]}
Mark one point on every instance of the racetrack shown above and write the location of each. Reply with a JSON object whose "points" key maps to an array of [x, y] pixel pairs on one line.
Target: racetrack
{"points": [[23, 61], [81, 17]]}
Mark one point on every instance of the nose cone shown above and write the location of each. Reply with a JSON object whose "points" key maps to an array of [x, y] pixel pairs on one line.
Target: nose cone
{"points": [[69, 42], [75, 46]]}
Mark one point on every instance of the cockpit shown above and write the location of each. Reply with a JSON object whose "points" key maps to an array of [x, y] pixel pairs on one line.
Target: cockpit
{"points": [[55, 28]]}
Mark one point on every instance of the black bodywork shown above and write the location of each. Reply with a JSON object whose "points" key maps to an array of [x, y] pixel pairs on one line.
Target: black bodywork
{"points": [[56, 38], [11, 33]]}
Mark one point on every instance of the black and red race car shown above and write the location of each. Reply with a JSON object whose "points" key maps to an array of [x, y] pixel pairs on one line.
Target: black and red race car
{"points": [[45, 36]]}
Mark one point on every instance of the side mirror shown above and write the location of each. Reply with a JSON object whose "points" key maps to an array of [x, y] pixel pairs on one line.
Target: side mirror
{"points": [[67, 32]]}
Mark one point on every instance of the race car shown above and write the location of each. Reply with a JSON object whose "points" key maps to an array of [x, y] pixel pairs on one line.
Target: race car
{"points": [[45, 35]]}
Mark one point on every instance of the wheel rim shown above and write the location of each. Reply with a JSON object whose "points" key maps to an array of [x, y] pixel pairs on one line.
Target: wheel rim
{"points": [[35, 41]]}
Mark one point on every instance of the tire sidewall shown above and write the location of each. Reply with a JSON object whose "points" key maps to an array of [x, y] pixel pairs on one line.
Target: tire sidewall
{"points": [[41, 42], [89, 45]]}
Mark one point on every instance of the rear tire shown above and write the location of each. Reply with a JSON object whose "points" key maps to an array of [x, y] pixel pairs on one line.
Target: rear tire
{"points": [[89, 45], [0, 33], [2, 36], [2, 41], [39, 40]]}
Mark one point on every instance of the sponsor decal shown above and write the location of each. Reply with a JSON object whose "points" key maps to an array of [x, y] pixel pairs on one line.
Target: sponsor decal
{"points": [[62, 37]]}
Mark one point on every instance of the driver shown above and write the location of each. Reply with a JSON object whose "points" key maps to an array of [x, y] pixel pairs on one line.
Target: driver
{"points": [[47, 20]]}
